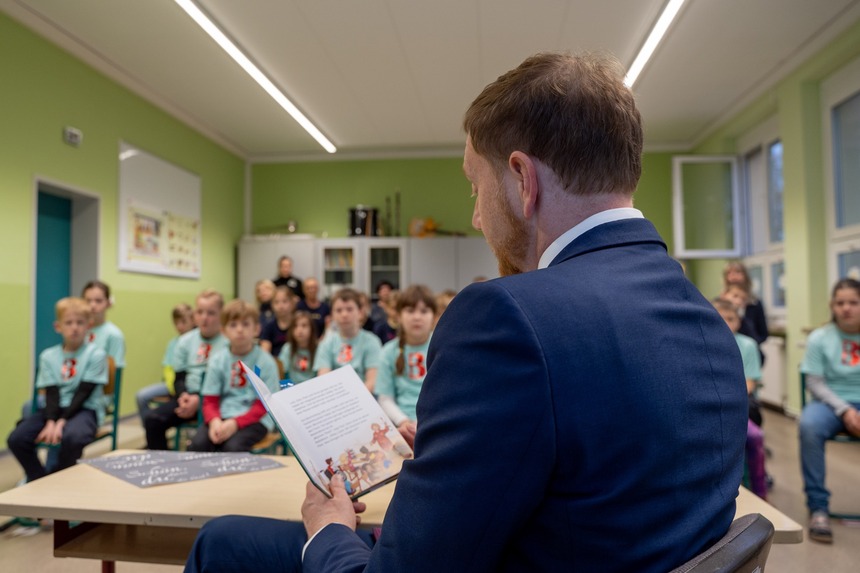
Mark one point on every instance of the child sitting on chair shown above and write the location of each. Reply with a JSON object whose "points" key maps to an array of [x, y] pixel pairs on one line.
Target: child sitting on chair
{"points": [[752, 374], [72, 375], [234, 416], [350, 344]]}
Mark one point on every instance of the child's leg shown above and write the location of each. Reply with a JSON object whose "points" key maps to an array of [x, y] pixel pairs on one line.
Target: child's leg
{"points": [[244, 439], [145, 395], [79, 431], [157, 421], [22, 444], [755, 460], [201, 442]]}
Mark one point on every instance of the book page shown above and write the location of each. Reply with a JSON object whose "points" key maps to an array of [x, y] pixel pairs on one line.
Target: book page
{"points": [[335, 426]]}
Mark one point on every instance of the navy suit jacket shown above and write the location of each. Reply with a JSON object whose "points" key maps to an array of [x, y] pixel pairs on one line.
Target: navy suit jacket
{"points": [[590, 416]]}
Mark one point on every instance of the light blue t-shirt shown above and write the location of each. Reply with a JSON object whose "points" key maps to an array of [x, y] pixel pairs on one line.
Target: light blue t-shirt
{"points": [[750, 356], [191, 355], [226, 378], [109, 338], [362, 351], [67, 370], [835, 355], [167, 360], [298, 367], [403, 387]]}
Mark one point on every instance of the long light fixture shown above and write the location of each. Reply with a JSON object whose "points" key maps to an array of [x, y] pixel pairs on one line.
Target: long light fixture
{"points": [[657, 33], [240, 58]]}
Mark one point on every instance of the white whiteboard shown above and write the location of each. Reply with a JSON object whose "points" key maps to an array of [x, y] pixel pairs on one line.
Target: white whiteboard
{"points": [[159, 216]]}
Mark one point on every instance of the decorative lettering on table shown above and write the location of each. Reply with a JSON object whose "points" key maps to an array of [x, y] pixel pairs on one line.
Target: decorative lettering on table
{"points": [[159, 467]]}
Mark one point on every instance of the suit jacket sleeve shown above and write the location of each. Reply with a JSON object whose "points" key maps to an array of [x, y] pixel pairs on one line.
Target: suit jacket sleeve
{"points": [[484, 451]]}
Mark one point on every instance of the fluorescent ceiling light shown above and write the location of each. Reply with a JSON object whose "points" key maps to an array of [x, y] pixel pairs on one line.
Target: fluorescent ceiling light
{"points": [[657, 33], [228, 46]]}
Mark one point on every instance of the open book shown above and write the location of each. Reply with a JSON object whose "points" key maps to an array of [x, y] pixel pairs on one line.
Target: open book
{"points": [[335, 426]]}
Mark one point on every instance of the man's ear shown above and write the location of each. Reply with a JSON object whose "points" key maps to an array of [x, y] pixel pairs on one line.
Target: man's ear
{"points": [[524, 171], [57, 327]]}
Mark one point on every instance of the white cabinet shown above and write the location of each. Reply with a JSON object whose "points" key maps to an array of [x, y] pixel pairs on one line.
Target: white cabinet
{"points": [[257, 258], [433, 262], [474, 259], [362, 262]]}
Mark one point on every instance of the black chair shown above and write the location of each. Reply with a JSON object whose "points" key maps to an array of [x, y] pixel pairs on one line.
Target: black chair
{"points": [[840, 437], [743, 549]]}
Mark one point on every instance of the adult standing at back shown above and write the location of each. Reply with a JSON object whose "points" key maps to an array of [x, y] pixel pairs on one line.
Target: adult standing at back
{"points": [[586, 411], [285, 277], [753, 319]]}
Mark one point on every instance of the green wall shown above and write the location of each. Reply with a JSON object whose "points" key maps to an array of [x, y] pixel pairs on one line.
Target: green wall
{"points": [[796, 102], [43, 90], [318, 195]]}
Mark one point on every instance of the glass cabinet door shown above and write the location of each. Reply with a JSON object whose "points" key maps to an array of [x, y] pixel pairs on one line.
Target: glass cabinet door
{"points": [[385, 266], [338, 269]]}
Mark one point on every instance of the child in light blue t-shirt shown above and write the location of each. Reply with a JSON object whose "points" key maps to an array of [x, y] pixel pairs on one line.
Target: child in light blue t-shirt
{"points": [[183, 321], [404, 359], [72, 374], [103, 333], [752, 373], [234, 417], [297, 355], [350, 344]]}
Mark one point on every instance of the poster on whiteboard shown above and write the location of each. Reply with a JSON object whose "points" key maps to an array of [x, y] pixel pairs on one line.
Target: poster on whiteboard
{"points": [[159, 216]]}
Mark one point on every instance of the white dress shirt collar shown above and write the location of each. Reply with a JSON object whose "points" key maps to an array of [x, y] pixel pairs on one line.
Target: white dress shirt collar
{"points": [[568, 237]]}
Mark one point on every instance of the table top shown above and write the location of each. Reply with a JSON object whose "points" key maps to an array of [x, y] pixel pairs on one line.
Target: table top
{"points": [[84, 493]]}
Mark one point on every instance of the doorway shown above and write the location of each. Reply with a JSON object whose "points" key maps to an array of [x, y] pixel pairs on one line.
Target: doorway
{"points": [[66, 253]]}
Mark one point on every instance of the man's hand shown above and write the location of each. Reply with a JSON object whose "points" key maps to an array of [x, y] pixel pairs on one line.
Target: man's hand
{"points": [[187, 405], [851, 419], [319, 510], [407, 429]]}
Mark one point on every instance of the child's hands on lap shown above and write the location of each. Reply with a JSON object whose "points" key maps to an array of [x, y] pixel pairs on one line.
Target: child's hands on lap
{"points": [[52, 433], [851, 419]]}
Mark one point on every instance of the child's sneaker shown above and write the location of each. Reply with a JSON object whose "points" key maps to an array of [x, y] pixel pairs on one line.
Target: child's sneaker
{"points": [[819, 527]]}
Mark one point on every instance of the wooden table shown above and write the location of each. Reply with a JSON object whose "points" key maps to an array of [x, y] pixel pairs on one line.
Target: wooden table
{"points": [[121, 522]]}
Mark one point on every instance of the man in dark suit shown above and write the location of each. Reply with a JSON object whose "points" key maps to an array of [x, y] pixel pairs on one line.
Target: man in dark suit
{"points": [[586, 411]]}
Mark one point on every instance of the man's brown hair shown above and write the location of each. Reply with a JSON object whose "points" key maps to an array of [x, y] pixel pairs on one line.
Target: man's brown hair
{"points": [[571, 112]]}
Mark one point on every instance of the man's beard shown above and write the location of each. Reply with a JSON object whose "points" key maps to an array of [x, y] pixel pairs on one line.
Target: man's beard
{"points": [[511, 250]]}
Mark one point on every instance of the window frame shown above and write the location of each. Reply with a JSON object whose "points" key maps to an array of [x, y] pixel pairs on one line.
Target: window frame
{"points": [[836, 89], [680, 249]]}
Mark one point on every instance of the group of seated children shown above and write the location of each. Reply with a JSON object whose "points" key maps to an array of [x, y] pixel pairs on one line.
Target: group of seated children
{"points": [[70, 377], [202, 362], [205, 362]]}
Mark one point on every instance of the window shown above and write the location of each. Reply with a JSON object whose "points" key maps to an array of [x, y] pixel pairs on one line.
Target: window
{"points": [[846, 167], [761, 166], [840, 102], [706, 207]]}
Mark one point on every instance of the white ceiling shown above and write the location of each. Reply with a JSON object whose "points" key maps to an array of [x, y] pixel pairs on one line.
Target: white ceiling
{"points": [[386, 78]]}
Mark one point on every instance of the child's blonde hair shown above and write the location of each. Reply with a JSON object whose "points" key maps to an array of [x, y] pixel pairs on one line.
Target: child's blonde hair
{"points": [[212, 293], [239, 310], [263, 282], [72, 304]]}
